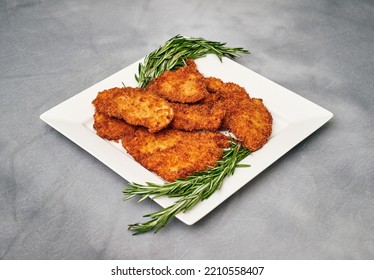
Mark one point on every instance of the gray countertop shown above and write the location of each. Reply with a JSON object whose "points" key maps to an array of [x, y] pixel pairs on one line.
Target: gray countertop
{"points": [[59, 202]]}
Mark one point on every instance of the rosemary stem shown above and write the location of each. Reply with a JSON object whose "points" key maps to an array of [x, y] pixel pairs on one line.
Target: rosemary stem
{"points": [[189, 191], [202, 185]]}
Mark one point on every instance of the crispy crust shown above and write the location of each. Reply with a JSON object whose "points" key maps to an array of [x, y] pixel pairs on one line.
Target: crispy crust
{"points": [[174, 154], [136, 106], [184, 85], [247, 118], [229, 93], [251, 123], [225, 90], [189, 117], [111, 128]]}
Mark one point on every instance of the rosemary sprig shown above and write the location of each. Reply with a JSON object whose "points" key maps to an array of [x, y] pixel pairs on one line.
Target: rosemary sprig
{"points": [[191, 190], [202, 185], [176, 51]]}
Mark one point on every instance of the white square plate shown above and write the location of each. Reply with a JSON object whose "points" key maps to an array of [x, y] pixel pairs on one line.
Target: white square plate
{"points": [[295, 118]]}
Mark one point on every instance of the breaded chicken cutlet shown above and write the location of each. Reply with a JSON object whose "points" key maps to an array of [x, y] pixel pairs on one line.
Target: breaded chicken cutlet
{"points": [[251, 123], [174, 154], [184, 85], [247, 118], [136, 106], [111, 128]]}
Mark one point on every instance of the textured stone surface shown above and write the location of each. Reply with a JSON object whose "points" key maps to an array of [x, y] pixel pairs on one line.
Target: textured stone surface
{"points": [[58, 202]]}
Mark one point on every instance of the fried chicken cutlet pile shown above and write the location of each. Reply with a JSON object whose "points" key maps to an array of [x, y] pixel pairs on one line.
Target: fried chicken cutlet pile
{"points": [[173, 126]]}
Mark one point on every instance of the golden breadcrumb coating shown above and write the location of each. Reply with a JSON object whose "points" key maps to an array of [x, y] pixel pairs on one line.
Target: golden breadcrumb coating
{"points": [[251, 123], [247, 118], [174, 154], [189, 117], [111, 128], [185, 85], [136, 106]]}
